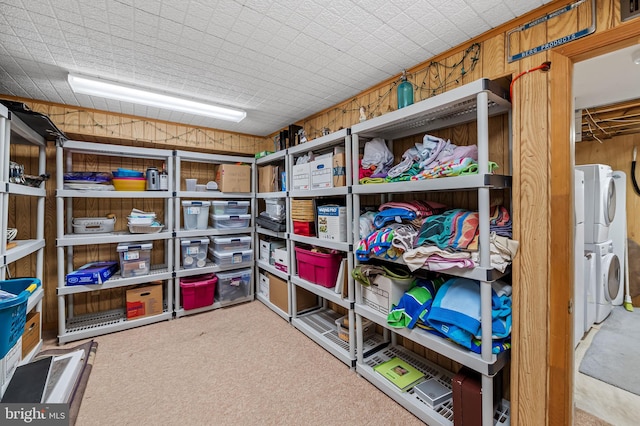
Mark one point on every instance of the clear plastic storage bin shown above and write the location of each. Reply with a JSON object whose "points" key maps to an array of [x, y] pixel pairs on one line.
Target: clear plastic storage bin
{"points": [[225, 221], [135, 259], [194, 252], [195, 214], [223, 244], [233, 285], [225, 258], [276, 207], [230, 207]]}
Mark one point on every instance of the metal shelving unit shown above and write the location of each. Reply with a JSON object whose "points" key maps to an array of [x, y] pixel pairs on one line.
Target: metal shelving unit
{"points": [[281, 159], [182, 157], [473, 102], [15, 131], [319, 324], [74, 327]]}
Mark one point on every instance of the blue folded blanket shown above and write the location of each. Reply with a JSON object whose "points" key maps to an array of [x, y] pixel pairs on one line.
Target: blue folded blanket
{"points": [[455, 312]]}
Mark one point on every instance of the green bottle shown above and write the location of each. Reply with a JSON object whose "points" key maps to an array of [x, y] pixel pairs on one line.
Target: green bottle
{"points": [[405, 92]]}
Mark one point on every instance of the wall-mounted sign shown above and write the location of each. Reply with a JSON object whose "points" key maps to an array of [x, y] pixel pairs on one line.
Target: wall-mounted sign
{"points": [[554, 43]]}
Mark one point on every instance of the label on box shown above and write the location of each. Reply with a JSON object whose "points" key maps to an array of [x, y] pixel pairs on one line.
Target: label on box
{"points": [[142, 265], [193, 210], [131, 255], [322, 173], [235, 282], [236, 258], [193, 250]]}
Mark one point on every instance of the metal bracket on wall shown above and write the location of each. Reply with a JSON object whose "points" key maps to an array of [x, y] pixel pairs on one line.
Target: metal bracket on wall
{"points": [[554, 43]]}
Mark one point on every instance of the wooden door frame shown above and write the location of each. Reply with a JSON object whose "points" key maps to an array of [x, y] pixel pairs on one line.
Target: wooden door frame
{"points": [[560, 368]]}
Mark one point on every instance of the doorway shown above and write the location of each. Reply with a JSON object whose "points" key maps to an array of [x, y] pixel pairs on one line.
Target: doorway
{"points": [[607, 128]]}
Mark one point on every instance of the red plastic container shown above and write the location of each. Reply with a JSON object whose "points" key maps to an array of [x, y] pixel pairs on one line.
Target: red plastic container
{"points": [[197, 291], [308, 229], [318, 268]]}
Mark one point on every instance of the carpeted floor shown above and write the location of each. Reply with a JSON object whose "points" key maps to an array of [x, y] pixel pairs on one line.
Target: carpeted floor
{"points": [[241, 365]]}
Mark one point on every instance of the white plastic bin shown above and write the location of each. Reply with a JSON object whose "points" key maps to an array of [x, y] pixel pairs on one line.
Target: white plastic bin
{"points": [[233, 285], [195, 214], [230, 207], [135, 259], [226, 258], [194, 252], [225, 221], [239, 243]]}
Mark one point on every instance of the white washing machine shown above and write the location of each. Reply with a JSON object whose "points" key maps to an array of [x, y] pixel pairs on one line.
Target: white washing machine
{"points": [[599, 202], [618, 229], [607, 277]]}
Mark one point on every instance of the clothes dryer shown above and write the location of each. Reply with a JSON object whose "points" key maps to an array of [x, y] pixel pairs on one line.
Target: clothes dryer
{"points": [[607, 278], [599, 201]]}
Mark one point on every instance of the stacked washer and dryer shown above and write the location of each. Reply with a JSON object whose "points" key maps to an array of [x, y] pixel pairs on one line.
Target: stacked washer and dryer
{"points": [[604, 234]]}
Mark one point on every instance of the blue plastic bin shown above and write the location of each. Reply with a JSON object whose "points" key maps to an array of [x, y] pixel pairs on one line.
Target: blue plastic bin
{"points": [[13, 311]]}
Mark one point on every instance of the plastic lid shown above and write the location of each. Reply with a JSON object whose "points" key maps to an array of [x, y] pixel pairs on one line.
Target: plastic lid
{"points": [[196, 203], [230, 253], [223, 240], [230, 203], [134, 246], [230, 216], [189, 242]]}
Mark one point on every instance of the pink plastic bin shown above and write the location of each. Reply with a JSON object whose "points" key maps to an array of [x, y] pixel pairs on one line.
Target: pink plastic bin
{"points": [[198, 291], [318, 268]]}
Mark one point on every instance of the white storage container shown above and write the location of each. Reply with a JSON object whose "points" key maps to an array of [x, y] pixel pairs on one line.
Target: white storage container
{"points": [[226, 258], [233, 285], [194, 252], [230, 207], [225, 221], [223, 244], [93, 225], [135, 259], [195, 214]]}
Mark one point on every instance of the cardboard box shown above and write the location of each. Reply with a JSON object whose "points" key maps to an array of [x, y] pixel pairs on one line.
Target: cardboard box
{"points": [[268, 177], [300, 177], [322, 172], [233, 178], [385, 292], [92, 273], [144, 301], [268, 247], [339, 170], [31, 335], [281, 259], [279, 295], [263, 285], [332, 223]]}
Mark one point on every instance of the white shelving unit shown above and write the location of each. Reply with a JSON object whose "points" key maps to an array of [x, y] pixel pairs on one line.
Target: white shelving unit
{"points": [[14, 131], [319, 325], [70, 326], [281, 159], [473, 102], [180, 233]]}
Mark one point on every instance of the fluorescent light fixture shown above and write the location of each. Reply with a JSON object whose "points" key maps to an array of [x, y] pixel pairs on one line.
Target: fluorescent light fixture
{"points": [[119, 92]]}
